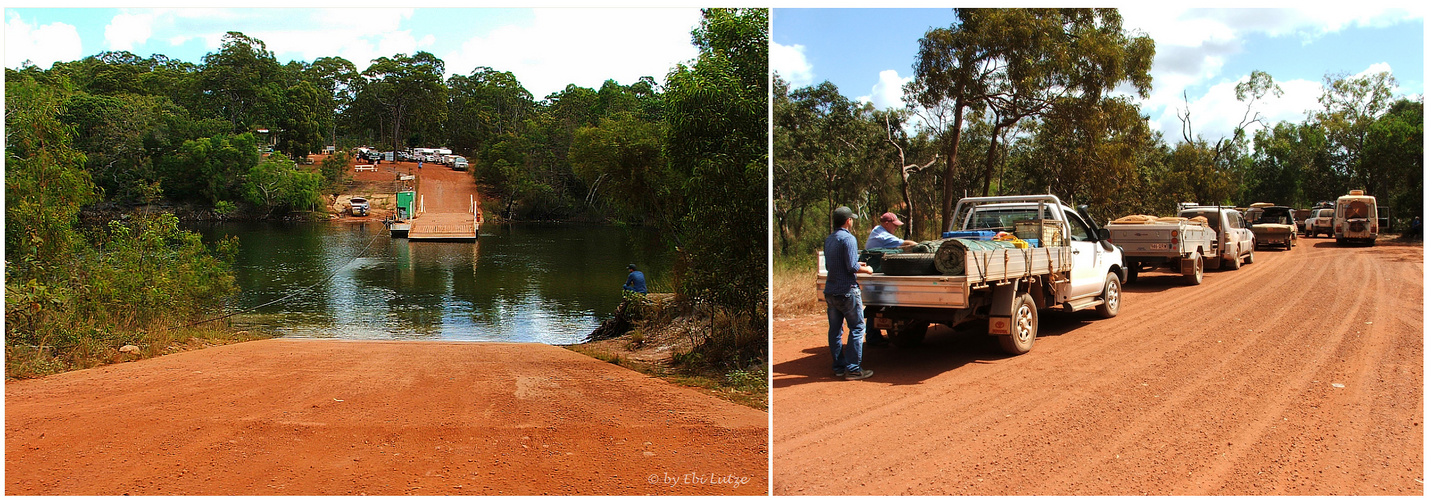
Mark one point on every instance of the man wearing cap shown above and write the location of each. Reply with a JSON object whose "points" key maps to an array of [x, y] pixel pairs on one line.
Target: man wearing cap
{"points": [[842, 296], [636, 281], [883, 236]]}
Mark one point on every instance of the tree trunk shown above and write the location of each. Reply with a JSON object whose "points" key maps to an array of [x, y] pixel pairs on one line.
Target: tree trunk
{"points": [[989, 155], [952, 162]]}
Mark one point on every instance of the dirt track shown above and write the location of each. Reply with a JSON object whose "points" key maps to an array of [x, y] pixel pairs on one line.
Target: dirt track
{"points": [[334, 417], [1300, 374]]}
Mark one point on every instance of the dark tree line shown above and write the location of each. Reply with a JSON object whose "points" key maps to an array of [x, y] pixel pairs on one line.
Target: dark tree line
{"points": [[1017, 101]]}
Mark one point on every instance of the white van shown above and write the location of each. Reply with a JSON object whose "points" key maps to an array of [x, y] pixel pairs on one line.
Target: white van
{"points": [[1355, 218]]}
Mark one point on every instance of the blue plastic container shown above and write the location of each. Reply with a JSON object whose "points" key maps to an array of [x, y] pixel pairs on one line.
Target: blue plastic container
{"points": [[1033, 242], [983, 235]]}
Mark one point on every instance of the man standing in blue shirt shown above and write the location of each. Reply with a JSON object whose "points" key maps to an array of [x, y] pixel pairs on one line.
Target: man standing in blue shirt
{"points": [[883, 236], [842, 296], [636, 281]]}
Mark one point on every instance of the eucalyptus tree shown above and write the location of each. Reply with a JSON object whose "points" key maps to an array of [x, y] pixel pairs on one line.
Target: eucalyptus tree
{"points": [[717, 141], [485, 105], [409, 93], [241, 82], [1018, 63], [336, 78], [1350, 106]]}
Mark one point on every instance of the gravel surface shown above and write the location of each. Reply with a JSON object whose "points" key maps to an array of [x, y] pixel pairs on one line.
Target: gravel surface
{"points": [[1300, 374], [326, 417]]}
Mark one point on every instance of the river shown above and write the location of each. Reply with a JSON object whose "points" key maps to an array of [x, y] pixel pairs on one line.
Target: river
{"points": [[548, 283]]}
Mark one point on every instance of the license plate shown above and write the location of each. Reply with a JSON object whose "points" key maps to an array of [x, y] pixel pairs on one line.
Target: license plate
{"points": [[1158, 246], [884, 323]]}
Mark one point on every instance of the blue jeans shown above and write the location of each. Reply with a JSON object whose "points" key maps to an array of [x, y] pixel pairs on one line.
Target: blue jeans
{"points": [[846, 308]]}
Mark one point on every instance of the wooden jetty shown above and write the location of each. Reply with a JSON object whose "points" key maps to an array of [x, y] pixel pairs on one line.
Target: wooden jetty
{"points": [[440, 226]]}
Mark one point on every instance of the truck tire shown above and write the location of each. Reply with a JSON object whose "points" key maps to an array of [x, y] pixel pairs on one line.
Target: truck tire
{"points": [[1133, 273], [910, 335], [1235, 263], [1249, 260], [1197, 276], [1112, 295], [909, 264], [1024, 323]]}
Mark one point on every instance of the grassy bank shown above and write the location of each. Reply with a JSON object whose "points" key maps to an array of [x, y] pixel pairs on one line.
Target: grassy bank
{"points": [[671, 341], [99, 349]]}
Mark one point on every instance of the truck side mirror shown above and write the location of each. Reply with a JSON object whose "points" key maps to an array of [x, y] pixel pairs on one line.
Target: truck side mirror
{"points": [[1103, 234]]}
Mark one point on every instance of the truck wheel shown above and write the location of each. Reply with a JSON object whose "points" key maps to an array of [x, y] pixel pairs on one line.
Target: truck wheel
{"points": [[1133, 273], [911, 335], [1249, 260], [1197, 276], [1112, 294], [1025, 325], [908, 264], [1235, 262]]}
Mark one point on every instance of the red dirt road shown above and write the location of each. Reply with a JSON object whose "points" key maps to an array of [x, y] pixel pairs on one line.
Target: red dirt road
{"points": [[325, 417], [1300, 374]]}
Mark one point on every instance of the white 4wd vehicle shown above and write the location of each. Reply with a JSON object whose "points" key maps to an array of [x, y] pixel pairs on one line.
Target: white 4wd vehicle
{"points": [[1320, 223], [1073, 267], [1234, 241]]}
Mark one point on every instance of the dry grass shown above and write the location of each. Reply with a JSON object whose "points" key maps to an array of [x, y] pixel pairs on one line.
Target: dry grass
{"points": [[793, 290], [22, 361]]}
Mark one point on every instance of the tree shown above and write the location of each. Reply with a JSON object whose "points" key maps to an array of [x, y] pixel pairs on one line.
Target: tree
{"points": [[717, 140], [1350, 106], [337, 78], [241, 82], [485, 106], [621, 159], [1018, 63], [409, 90], [45, 180], [277, 182], [300, 130]]}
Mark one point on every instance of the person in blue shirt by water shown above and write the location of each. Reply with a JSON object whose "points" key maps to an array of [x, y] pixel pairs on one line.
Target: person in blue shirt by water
{"points": [[636, 281], [842, 296]]}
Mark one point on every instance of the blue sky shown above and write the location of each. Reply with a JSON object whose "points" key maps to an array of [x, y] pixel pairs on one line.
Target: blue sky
{"points": [[868, 54], [546, 48]]}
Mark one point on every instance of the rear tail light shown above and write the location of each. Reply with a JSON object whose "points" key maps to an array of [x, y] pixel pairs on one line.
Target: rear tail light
{"points": [[1173, 237]]}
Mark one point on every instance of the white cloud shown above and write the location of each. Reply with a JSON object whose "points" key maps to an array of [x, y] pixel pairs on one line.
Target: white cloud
{"points": [[886, 92], [1193, 46], [583, 47], [1375, 68], [789, 61], [1216, 113], [127, 30], [41, 45]]}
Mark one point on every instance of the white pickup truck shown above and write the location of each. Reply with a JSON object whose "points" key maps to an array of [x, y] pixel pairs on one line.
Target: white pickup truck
{"points": [[1180, 244], [1073, 266]]}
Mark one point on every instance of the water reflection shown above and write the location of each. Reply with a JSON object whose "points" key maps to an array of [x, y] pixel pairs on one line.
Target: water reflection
{"points": [[542, 283]]}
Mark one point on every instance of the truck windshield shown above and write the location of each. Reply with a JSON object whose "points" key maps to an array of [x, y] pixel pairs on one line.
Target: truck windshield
{"points": [[1004, 218]]}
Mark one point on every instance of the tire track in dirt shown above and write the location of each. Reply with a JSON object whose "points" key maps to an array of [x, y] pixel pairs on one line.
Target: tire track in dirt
{"points": [[1074, 415]]}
